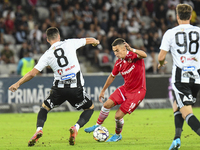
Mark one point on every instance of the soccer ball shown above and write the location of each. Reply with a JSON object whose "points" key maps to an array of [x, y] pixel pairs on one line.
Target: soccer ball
{"points": [[100, 134]]}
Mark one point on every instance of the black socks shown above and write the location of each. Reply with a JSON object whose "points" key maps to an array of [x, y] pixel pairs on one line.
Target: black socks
{"points": [[193, 122], [178, 120], [42, 116], [85, 117]]}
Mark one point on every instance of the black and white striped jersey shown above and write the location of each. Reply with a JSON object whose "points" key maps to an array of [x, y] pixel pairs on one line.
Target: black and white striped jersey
{"points": [[184, 43], [62, 58]]}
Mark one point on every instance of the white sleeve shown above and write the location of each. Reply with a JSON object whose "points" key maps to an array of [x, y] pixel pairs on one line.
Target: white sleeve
{"points": [[42, 63], [165, 44], [77, 43]]}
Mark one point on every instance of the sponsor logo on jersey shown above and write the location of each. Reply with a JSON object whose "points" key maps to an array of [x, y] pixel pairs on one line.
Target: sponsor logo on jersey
{"points": [[60, 71], [188, 68], [193, 58], [129, 70], [188, 75], [70, 68], [68, 76]]}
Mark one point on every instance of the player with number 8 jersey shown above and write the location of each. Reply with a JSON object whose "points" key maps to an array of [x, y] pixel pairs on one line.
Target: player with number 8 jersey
{"points": [[68, 81], [183, 42]]}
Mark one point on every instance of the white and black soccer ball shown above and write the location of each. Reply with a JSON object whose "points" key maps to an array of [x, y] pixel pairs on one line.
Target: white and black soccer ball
{"points": [[101, 134]]}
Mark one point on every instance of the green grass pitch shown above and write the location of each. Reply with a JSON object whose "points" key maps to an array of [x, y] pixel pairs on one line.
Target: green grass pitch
{"points": [[144, 129]]}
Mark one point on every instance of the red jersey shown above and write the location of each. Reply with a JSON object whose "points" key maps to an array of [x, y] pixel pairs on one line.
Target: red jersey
{"points": [[132, 70]]}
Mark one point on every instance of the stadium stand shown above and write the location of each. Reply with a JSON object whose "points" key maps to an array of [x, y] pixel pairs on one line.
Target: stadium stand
{"points": [[104, 19]]}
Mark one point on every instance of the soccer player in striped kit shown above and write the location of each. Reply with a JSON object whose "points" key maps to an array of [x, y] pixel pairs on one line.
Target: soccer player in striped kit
{"points": [[183, 42], [130, 64], [68, 81]]}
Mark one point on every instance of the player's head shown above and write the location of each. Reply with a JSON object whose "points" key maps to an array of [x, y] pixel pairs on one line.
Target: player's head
{"points": [[118, 48], [52, 34], [184, 12]]}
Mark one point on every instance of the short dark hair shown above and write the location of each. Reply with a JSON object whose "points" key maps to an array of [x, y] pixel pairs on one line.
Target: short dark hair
{"points": [[184, 11], [52, 33], [118, 41]]}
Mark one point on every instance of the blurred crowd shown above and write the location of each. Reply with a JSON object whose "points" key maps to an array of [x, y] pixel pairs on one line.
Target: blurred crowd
{"points": [[141, 23]]}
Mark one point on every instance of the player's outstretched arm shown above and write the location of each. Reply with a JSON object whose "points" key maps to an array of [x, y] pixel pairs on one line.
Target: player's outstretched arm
{"points": [[24, 79], [109, 80], [141, 54], [92, 41], [161, 58]]}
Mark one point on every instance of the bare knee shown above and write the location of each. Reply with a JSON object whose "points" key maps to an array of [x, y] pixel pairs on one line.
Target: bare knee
{"points": [[119, 114], [108, 104], [45, 107], [91, 107], [118, 117], [186, 110]]}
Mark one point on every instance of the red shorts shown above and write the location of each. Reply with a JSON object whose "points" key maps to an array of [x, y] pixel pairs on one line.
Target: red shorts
{"points": [[129, 100]]}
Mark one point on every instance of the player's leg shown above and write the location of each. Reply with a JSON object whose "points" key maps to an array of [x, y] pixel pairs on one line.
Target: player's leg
{"points": [[105, 109], [185, 97], [53, 99], [83, 119], [128, 106], [41, 118], [116, 98], [178, 122], [119, 121], [118, 128], [190, 118], [80, 100]]}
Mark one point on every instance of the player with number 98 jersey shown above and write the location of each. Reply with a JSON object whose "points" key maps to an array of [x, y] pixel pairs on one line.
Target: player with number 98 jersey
{"points": [[183, 42]]}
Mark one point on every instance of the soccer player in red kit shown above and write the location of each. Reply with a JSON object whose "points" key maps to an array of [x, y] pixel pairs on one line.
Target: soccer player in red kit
{"points": [[131, 66]]}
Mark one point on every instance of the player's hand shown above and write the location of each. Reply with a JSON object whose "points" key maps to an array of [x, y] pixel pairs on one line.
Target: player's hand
{"points": [[96, 43], [14, 87], [159, 66], [127, 46], [101, 96]]}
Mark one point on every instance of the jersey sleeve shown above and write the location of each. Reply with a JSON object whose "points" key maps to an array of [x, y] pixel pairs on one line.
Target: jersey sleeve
{"points": [[115, 70], [42, 63], [77, 43], [165, 44]]}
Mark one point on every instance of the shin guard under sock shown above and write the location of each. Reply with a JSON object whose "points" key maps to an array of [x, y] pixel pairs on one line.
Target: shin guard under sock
{"points": [[42, 116], [85, 117], [178, 121], [103, 115], [193, 122], [119, 125]]}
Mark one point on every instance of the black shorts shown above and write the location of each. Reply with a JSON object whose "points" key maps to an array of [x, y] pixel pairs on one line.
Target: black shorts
{"points": [[77, 97], [185, 93]]}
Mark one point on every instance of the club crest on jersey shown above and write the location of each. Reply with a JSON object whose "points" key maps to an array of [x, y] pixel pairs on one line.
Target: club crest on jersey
{"points": [[183, 59], [60, 71], [130, 60]]}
